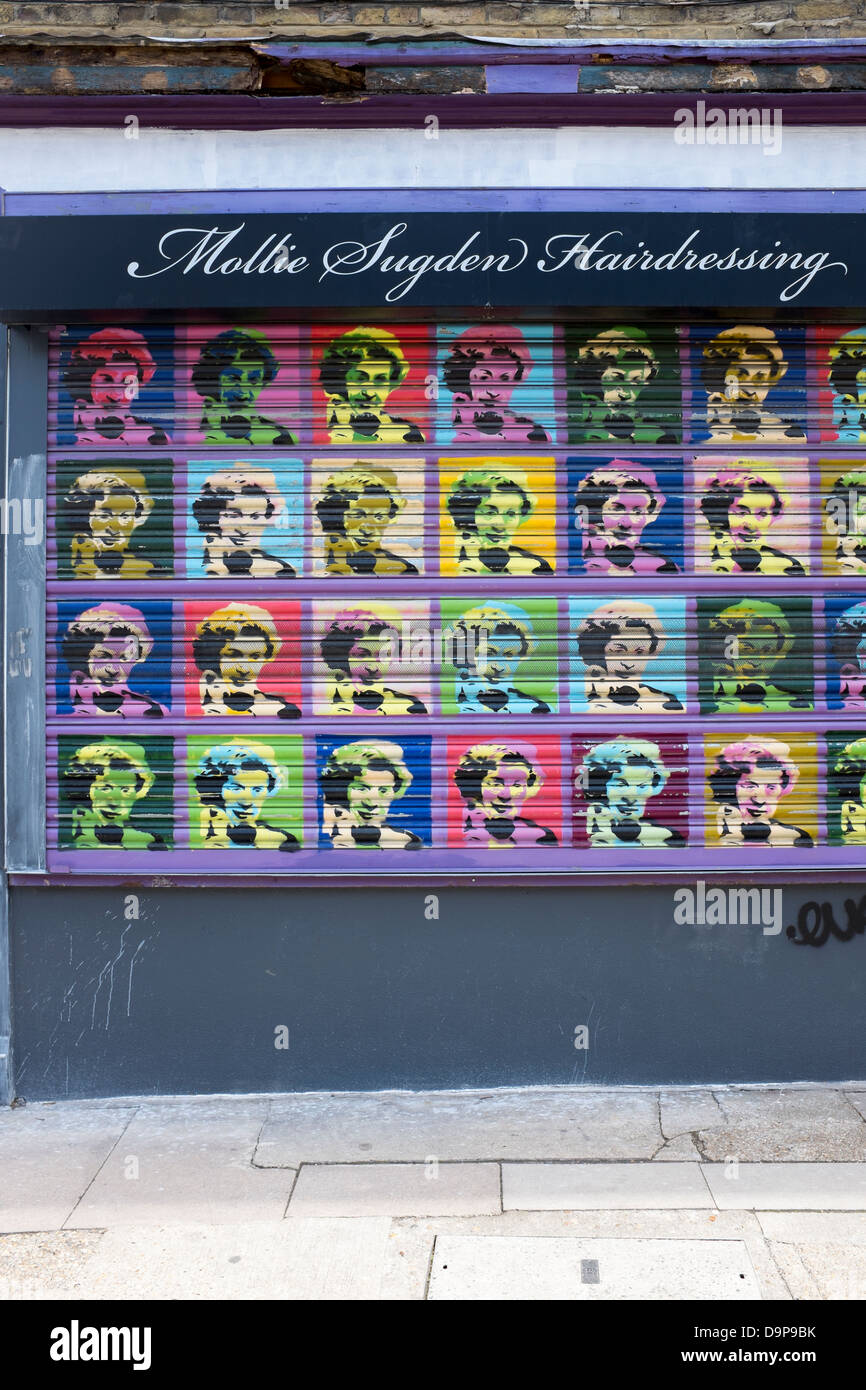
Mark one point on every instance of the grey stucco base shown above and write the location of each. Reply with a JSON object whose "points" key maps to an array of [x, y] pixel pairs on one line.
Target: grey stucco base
{"points": [[202, 992]]}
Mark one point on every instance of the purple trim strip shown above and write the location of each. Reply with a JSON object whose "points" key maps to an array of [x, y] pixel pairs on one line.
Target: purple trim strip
{"points": [[494, 52], [454, 112], [437, 200]]}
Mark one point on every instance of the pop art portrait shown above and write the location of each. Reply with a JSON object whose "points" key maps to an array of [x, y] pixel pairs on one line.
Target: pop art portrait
{"points": [[843, 535], [504, 793], [372, 658], [761, 790], [114, 519], [495, 385], [499, 657], [630, 792], [755, 655], [845, 625], [245, 520], [748, 384], [628, 656], [752, 516], [112, 660], [245, 793], [242, 660], [374, 793], [367, 517], [841, 361], [623, 385], [498, 516], [115, 388], [115, 793], [240, 386], [625, 518], [372, 385], [846, 788]]}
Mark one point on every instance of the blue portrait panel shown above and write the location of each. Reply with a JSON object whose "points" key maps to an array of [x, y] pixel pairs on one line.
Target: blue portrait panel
{"points": [[627, 656], [245, 520], [112, 659], [845, 637], [625, 516], [115, 387], [373, 793], [495, 384], [748, 384]]}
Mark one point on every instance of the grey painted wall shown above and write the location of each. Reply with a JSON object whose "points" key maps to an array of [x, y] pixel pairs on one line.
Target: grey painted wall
{"points": [[187, 998]]}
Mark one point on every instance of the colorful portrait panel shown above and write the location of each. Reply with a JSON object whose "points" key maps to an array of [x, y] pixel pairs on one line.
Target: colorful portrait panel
{"points": [[752, 516], [627, 656], [755, 655], [625, 516], [495, 385], [841, 363], [240, 387], [115, 793], [630, 792], [761, 789], [111, 660], [113, 519], [623, 385], [845, 651], [245, 792], [846, 787], [242, 659], [114, 388], [843, 524], [504, 793], [497, 516], [372, 386], [748, 384], [498, 656], [372, 658], [245, 520], [373, 793], [367, 517]]}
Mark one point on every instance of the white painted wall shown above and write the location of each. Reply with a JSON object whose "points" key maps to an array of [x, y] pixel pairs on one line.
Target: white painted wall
{"points": [[97, 160]]}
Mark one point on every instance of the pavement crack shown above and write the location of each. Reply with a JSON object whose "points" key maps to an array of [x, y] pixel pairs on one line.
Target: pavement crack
{"points": [[80, 1199]]}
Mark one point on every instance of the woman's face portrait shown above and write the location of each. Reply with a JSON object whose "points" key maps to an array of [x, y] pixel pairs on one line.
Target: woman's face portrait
{"points": [[115, 383], [244, 794], [113, 795], [112, 520], [493, 380], [625, 514], [370, 795], [759, 793], [503, 654], [504, 789], [370, 659], [627, 654], [242, 659], [498, 517], [368, 382], [753, 653], [112, 660], [366, 519], [244, 519], [751, 516], [622, 383], [241, 382], [629, 790]]}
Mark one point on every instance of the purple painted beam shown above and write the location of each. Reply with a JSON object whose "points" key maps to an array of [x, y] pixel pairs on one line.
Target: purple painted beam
{"points": [[490, 51], [456, 112]]}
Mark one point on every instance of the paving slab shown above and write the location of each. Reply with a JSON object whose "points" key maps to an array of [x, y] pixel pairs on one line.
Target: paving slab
{"points": [[680, 1149], [471, 1268], [396, 1189], [814, 1227], [299, 1260], [788, 1125], [186, 1166], [407, 1264], [838, 1271], [49, 1155], [788, 1186], [590, 1185], [858, 1100], [682, 1112], [459, 1125]]}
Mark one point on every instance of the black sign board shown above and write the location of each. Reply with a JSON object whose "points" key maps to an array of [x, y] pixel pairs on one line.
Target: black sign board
{"points": [[94, 265]]}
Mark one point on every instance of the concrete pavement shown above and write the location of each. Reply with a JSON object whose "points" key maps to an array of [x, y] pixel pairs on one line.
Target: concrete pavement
{"points": [[722, 1192]]}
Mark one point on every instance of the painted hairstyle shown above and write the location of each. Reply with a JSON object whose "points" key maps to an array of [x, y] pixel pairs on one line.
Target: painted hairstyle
{"points": [[847, 359], [619, 475], [348, 627], [473, 488], [474, 765], [104, 621], [100, 348], [613, 347], [839, 496], [751, 755], [350, 760], [92, 487], [342, 489], [741, 618], [848, 634], [341, 353], [611, 620], [848, 771], [224, 760], [222, 350], [221, 487], [731, 345], [493, 618], [506, 343], [726, 487], [227, 624], [601, 762]]}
